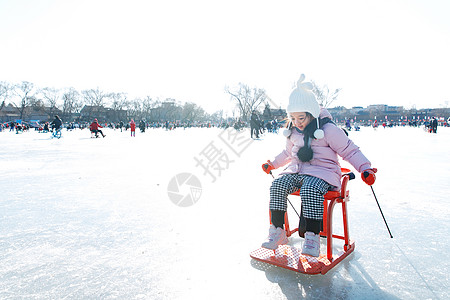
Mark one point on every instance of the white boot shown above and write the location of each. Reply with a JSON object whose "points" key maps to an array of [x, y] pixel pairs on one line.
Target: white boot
{"points": [[311, 246], [277, 236]]}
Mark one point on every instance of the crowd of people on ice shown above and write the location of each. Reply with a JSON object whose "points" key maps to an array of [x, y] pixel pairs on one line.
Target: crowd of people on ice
{"points": [[95, 126], [429, 124], [257, 125]]}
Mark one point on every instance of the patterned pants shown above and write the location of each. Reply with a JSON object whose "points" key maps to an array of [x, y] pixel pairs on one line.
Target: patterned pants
{"points": [[312, 190]]}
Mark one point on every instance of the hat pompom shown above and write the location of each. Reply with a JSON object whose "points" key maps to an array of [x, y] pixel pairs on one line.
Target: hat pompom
{"points": [[300, 80], [319, 134], [307, 86], [287, 132]]}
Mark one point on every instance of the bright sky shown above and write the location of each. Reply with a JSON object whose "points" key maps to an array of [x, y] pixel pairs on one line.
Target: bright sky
{"points": [[378, 52]]}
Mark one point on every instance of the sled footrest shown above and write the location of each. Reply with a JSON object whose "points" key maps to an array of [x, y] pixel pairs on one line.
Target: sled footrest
{"points": [[290, 257]]}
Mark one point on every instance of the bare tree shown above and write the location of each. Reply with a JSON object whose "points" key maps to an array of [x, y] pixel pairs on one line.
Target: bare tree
{"points": [[25, 92], [192, 112], [118, 101], [156, 113], [6, 90], [147, 106], [51, 97], [36, 103], [247, 99], [94, 99], [323, 94], [216, 116], [71, 102], [135, 108]]}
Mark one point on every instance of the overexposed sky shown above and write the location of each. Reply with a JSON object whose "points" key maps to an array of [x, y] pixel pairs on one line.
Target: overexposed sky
{"points": [[378, 52]]}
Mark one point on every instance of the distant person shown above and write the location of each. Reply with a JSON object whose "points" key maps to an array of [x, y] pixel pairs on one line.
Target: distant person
{"points": [[269, 126], [254, 125], [56, 123], [433, 125], [94, 127], [19, 128], [348, 124], [142, 125], [133, 128]]}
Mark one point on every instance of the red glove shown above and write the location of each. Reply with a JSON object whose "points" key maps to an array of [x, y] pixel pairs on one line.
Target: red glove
{"points": [[368, 176], [267, 167]]}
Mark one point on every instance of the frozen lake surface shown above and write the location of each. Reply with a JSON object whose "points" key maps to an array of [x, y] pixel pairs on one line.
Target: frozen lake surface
{"points": [[93, 218]]}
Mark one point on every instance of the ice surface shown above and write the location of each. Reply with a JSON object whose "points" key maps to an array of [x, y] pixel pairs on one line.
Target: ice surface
{"points": [[91, 218]]}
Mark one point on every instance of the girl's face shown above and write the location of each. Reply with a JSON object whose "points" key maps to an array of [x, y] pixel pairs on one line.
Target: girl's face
{"points": [[300, 119]]}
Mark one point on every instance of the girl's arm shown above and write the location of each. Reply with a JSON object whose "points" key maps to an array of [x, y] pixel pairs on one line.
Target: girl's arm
{"points": [[284, 157], [345, 148]]}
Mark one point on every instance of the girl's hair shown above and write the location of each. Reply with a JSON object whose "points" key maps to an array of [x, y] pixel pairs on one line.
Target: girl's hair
{"points": [[288, 122]]}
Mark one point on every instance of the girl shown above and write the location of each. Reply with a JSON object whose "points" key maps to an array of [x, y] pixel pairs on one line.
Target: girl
{"points": [[312, 148], [133, 128]]}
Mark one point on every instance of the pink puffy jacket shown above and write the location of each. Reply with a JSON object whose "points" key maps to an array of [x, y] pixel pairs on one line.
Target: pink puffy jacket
{"points": [[325, 163]]}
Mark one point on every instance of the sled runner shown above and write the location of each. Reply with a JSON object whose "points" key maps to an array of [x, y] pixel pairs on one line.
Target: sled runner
{"points": [[94, 134], [290, 257]]}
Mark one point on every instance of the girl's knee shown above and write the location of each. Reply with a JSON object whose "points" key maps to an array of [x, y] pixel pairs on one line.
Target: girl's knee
{"points": [[311, 192], [277, 182], [280, 186]]}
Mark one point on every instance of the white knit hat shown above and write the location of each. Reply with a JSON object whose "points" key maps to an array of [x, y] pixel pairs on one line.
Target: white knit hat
{"points": [[302, 99]]}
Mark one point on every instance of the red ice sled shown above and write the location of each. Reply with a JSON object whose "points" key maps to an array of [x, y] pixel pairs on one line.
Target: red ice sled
{"points": [[290, 257]]}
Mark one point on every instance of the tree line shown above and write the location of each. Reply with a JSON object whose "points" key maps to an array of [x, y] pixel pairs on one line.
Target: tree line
{"points": [[69, 102]]}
